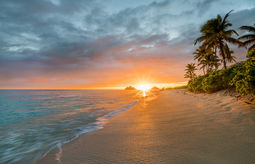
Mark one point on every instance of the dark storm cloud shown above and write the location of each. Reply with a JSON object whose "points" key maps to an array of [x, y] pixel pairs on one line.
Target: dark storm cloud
{"points": [[53, 38]]}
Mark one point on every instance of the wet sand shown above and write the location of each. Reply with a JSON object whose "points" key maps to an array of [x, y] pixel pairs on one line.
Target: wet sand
{"points": [[176, 127]]}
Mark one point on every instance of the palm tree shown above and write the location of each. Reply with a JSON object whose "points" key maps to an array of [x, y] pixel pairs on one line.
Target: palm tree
{"points": [[215, 34], [209, 63], [207, 59], [190, 71], [249, 39], [200, 53]]}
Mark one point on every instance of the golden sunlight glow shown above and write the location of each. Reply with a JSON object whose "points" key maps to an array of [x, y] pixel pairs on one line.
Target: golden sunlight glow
{"points": [[144, 87]]}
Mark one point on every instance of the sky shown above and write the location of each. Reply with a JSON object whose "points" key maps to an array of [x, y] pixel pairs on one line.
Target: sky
{"points": [[78, 44]]}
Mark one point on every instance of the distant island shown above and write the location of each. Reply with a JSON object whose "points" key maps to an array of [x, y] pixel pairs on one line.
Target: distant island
{"points": [[130, 88], [155, 89]]}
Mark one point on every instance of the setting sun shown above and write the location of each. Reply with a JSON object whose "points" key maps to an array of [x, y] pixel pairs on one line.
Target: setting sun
{"points": [[144, 87]]}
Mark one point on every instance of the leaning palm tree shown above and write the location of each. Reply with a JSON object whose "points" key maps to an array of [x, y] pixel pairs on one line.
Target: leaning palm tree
{"points": [[249, 39], [215, 34], [190, 71]]}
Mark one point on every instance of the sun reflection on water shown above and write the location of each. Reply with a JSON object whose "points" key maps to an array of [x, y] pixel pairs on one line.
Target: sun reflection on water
{"points": [[144, 93], [144, 88]]}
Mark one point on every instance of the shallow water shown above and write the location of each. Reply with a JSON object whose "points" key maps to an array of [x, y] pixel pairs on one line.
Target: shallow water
{"points": [[34, 122], [176, 127]]}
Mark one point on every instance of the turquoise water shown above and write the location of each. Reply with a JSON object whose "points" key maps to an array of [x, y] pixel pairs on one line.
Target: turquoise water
{"points": [[32, 122]]}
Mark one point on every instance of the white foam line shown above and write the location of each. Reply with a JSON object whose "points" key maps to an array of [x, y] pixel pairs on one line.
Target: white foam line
{"points": [[101, 121]]}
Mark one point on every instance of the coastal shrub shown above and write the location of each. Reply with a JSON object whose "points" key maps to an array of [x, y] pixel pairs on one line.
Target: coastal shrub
{"points": [[218, 80], [244, 80], [250, 72], [195, 85], [213, 82], [241, 76], [238, 80]]}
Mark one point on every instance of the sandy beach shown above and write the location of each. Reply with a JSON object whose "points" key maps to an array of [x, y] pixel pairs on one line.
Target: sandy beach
{"points": [[175, 127]]}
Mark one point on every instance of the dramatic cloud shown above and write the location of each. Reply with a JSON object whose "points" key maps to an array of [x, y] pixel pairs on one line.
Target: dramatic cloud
{"points": [[84, 43]]}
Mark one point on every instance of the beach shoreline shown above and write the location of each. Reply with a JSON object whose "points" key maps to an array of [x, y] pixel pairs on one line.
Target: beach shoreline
{"points": [[175, 127]]}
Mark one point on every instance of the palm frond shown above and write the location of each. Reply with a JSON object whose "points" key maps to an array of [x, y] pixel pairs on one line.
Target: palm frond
{"points": [[248, 28], [248, 36], [252, 47], [231, 32], [234, 41], [248, 42], [226, 16]]}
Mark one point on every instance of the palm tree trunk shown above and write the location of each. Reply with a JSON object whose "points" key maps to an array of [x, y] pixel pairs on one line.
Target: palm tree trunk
{"points": [[215, 53], [223, 56], [224, 62]]}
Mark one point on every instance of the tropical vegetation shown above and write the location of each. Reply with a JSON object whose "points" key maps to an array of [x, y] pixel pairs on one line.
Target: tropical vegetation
{"points": [[190, 71], [214, 51]]}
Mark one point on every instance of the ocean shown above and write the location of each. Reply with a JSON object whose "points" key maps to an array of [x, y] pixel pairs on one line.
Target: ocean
{"points": [[33, 122]]}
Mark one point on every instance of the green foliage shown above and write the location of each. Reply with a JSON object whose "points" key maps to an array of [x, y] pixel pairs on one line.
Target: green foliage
{"points": [[241, 76], [244, 80], [215, 37], [217, 80], [195, 85]]}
